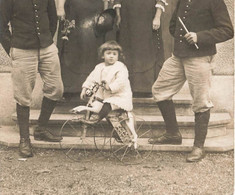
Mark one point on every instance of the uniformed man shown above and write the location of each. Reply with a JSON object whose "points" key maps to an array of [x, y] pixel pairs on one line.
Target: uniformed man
{"points": [[208, 23], [31, 48]]}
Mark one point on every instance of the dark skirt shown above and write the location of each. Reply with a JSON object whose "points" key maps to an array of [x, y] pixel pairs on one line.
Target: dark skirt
{"points": [[78, 55], [143, 47]]}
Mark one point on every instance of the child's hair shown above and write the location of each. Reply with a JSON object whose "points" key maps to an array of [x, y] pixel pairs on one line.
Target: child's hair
{"points": [[110, 45]]}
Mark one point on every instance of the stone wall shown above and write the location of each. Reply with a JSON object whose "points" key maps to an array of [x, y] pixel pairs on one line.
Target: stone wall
{"points": [[225, 55]]}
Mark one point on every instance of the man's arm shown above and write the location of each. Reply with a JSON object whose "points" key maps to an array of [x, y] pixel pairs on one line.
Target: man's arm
{"points": [[52, 16], [5, 16], [223, 29]]}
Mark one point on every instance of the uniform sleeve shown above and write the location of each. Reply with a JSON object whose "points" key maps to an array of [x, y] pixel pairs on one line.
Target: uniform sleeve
{"points": [[52, 16], [223, 29], [5, 17], [121, 78], [173, 20]]}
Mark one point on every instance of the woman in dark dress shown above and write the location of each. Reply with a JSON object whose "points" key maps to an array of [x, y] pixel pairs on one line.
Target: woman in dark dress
{"points": [[78, 53], [140, 37]]}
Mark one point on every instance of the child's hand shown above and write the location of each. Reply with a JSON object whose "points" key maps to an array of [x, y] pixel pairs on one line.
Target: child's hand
{"points": [[83, 94], [105, 85]]}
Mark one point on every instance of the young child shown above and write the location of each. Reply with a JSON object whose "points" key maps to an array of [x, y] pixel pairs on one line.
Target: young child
{"points": [[112, 75], [114, 90]]}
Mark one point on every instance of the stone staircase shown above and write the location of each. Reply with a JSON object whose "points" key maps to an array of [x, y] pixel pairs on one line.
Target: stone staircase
{"points": [[219, 138]]}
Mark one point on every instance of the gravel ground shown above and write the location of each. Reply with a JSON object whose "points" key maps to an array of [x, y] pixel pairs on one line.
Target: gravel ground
{"points": [[164, 173]]}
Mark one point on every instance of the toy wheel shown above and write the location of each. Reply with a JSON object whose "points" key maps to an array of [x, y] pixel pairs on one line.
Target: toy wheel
{"points": [[127, 153], [77, 143], [102, 138]]}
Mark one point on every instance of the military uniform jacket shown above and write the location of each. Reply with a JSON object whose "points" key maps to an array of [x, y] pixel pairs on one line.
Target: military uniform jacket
{"points": [[208, 18], [33, 23]]}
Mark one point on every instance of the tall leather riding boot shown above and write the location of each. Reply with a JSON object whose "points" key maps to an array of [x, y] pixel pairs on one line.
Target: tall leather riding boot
{"points": [[46, 111], [23, 120], [201, 126], [167, 109], [172, 135], [25, 148], [41, 133]]}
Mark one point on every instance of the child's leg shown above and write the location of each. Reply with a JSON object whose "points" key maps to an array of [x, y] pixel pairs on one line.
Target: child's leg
{"points": [[105, 110]]}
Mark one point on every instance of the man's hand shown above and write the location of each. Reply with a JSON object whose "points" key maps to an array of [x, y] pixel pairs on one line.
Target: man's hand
{"points": [[191, 37]]}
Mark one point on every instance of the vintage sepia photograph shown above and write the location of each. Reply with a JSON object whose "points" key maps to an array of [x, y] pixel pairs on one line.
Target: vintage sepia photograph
{"points": [[117, 97]]}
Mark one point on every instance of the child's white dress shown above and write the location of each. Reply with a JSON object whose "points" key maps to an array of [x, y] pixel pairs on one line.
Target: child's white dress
{"points": [[116, 76]]}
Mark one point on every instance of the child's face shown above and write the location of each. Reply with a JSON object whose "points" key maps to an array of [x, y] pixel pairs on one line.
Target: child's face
{"points": [[110, 57]]}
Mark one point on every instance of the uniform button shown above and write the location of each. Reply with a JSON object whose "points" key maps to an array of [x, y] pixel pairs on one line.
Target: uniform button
{"points": [[158, 47], [189, 0], [38, 33], [181, 29], [38, 28], [186, 12], [36, 16], [181, 35], [187, 6], [37, 22], [181, 41], [36, 10], [184, 18]]}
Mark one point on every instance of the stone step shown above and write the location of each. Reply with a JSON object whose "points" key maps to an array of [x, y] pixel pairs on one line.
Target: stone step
{"points": [[142, 106], [9, 136], [217, 124], [147, 106]]}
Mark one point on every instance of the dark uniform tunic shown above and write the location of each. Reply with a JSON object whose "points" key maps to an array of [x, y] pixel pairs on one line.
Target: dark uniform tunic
{"points": [[208, 18], [30, 30]]}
